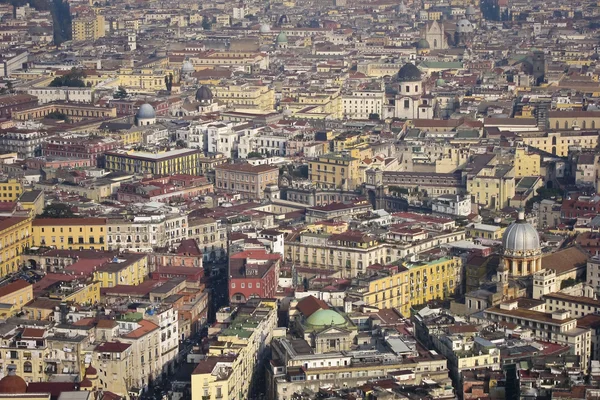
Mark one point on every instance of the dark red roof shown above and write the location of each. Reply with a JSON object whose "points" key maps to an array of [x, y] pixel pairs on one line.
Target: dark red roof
{"points": [[189, 247], [113, 347], [308, 305]]}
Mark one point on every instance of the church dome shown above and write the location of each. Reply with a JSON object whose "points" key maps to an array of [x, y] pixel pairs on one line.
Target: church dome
{"points": [[12, 383], [521, 238], [402, 9], [322, 318], [464, 26], [409, 73], [187, 67], [146, 111], [440, 82], [423, 44], [471, 10], [204, 94], [281, 38]]}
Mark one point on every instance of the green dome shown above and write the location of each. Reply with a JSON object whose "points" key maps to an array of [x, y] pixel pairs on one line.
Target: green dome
{"points": [[440, 82], [281, 38], [422, 44], [325, 318]]}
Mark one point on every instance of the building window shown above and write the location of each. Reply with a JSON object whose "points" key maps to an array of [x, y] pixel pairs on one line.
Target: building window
{"points": [[406, 103]]}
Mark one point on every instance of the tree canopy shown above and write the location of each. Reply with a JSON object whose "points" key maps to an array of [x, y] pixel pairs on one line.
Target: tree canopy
{"points": [[72, 79], [57, 211]]}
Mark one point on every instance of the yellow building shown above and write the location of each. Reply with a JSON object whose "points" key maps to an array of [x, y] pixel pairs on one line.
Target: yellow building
{"points": [[70, 233], [79, 293], [227, 371], [126, 269], [246, 96], [147, 79], [492, 186], [10, 190], [485, 231], [335, 170], [412, 285], [15, 237], [14, 296], [436, 279], [558, 143], [526, 163], [87, 27], [33, 200], [179, 161]]}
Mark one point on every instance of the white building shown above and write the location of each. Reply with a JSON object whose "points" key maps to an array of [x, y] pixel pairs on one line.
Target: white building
{"points": [[364, 103], [450, 204], [192, 135], [49, 94], [411, 101]]}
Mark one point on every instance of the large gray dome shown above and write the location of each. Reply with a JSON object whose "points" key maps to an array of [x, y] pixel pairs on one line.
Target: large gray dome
{"points": [[187, 67], [409, 73], [146, 111], [204, 94], [521, 238]]}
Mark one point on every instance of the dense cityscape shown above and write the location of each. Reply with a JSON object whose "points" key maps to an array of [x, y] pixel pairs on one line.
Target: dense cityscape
{"points": [[296, 200]]}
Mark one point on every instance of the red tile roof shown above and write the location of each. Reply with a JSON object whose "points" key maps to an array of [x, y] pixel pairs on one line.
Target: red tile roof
{"points": [[13, 287], [308, 305], [112, 347]]}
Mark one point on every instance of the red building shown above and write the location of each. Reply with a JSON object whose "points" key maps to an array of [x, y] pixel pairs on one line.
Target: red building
{"points": [[253, 273], [16, 102], [78, 148], [187, 255], [578, 206]]}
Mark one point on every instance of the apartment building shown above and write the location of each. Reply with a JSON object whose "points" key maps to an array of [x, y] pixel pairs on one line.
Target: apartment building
{"points": [[557, 326], [253, 273], [335, 170], [70, 233], [232, 361], [124, 269], [114, 361], [171, 162], [246, 96], [87, 27], [15, 237], [559, 143], [248, 180], [16, 294], [490, 185], [210, 235], [349, 252]]}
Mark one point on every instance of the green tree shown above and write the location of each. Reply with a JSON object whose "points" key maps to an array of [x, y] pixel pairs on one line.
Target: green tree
{"points": [[206, 23], [58, 210], [73, 79], [57, 115], [121, 93], [374, 117], [255, 154], [181, 143]]}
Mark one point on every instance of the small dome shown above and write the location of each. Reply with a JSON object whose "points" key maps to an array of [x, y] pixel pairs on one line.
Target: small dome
{"points": [[187, 67], [283, 20], [204, 94], [423, 44], [440, 82], [322, 318], [91, 371], [12, 384], [402, 9], [471, 10], [521, 238], [464, 26], [264, 28], [146, 111], [409, 73], [86, 383], [281, 38]]}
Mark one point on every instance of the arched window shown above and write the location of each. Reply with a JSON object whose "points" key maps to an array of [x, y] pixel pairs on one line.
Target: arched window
{"points": [[27, 367], [566, 124], [557, 127], [435, 43], [584, 124], [593, 124]]}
